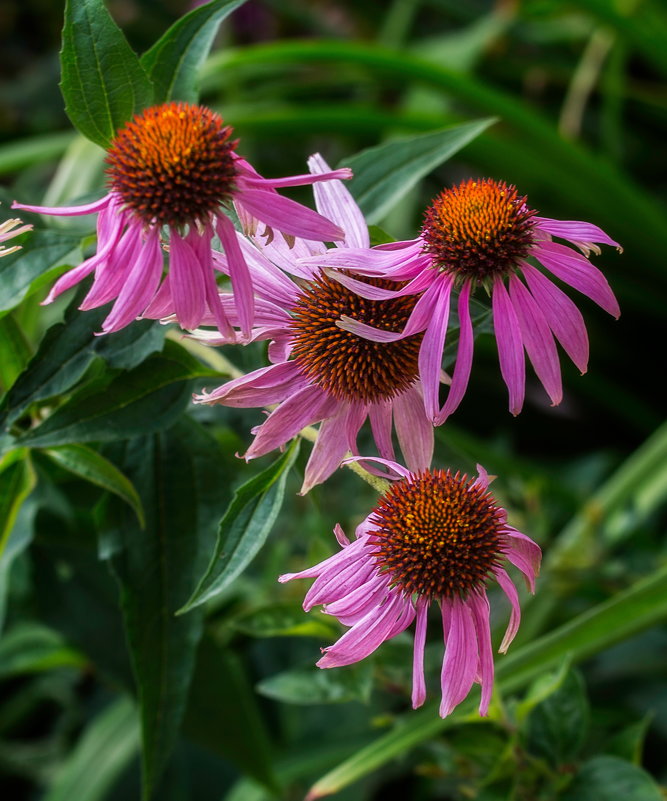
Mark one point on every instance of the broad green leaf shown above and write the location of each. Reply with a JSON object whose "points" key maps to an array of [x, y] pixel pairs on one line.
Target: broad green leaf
{"points": [[385, 173], [286, 620], [33, 648], [221, 692], [244, 528], [557, 728], [312, 685], [642, 605], [180, 477], [629, 742], [173, 62], [92, 466], [105, 749], [608, 778], [14, 351], [67, 351], [103, 83], [43, 257], [17, 480], [142, 400]]}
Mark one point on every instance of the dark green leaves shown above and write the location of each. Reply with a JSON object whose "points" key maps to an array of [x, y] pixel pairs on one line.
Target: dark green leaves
{"points": [[103, 83], [384, 174], [312, 685], [245, 527], [173, 62], [608, 778], [17, 480]]}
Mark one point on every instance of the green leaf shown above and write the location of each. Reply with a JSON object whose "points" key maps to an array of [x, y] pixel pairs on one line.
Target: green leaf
{"points": [[14, 351], [69, 348], [557, 728], [103, 83], [608, 778], [180, 477], [17, 480], [92, 466], [245, 527], [146, 399], [105, 749], [311, 685], [285, 620], [173, 62], [33, 648], [385, 173], [30, 150], [629, 742], [221, 692], [19, 539], [42, 259]]}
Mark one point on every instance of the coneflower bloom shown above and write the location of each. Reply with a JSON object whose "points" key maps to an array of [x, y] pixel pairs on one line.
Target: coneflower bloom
{"points": [[8, 230], [173, 171], [322, 373], [481, 233], [434, 537]]}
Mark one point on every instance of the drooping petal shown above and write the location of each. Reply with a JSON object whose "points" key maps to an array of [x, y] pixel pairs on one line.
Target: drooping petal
{"points": [[329, 449], [413, 428], [238, 273], [418, 683], [430, 353], [393, 466], [563, 317], [575, 270], [262, 387], [538, 339], [464, 352], [460, 663], [350, 553], [356, 604], [113, 272], [419, 283], [379, 414], [574, 231], [334, 201], [68, 211], [479, 606], [510, 345], [188, 289], [510, 591], [314, 177], [401, 263], [523, 553]]}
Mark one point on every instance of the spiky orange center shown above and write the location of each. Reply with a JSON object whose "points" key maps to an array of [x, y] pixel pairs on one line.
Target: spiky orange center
{"points": [[343, 364], [478, 229], [173, 164], [438, 534]]}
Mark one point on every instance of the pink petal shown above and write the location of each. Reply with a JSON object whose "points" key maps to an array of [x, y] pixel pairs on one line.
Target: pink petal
{"points": [[380, 417], [574, 231], [262, 387], [479, 606], [113, 273], [463, 357], [188, 289], [418, 682], [329, 449], [402, 263], [238, 273], [393, 466], [523, 553], [430, 353], [413, 428], [460, 663], [314, 177], [563, 317], [334, 201], [351, 553], [575, 270], [538, 339], [418, 284], [358, 603], [510, 345], [509, 589], [68, 211]]}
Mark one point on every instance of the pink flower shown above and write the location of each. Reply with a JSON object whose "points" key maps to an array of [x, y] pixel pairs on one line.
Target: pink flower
{"points": [[172, 170], [320, 373], [481, 233], [433, 537], [6, 233]]}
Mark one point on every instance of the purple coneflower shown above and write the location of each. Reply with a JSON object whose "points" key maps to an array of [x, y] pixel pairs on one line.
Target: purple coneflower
{"points": [[481, 233], [322, 373], [172, 170], [8, 230], [433, 537]]}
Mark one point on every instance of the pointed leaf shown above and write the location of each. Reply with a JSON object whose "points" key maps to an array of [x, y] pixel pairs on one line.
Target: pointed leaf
{"points": [[92, 466], [14, 351], [245, 527], [173, 62], [311, 685], [385, 173], [17, 480], [608, 778], [32, 648], [103, 83]]}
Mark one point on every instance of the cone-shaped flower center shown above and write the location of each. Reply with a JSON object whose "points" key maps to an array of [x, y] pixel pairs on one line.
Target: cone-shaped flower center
{"points": [[173, 164], [343, 364], [478, 229], [438, 534]]}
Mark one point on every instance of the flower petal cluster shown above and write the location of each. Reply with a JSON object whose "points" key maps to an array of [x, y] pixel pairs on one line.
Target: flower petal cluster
{"points": [[392, 572], [173, 174]]}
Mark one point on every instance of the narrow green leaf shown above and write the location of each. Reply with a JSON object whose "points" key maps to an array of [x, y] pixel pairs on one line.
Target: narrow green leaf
{"points": [[180, 477], [142, 400], [43, 257], [245, 527], [385, 173], [642, 605], [103, 83], [106, 748], [18, 540], [173, 62], [17, 480], [33, 648], [310, 685], [92, 466], [14, 351], [31, 150], [608, 778]]}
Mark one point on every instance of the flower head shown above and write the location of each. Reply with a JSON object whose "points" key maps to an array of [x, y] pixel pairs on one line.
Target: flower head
{"points": [[8, 230], [483, 234], [434, 537], [173, 172], [322, 373]]}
